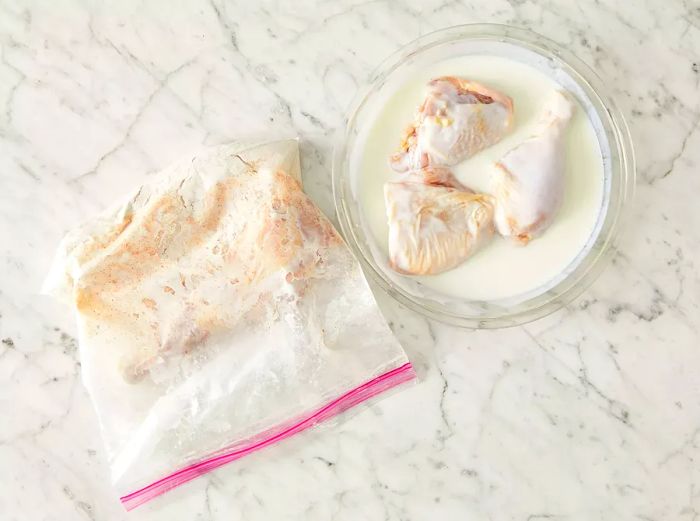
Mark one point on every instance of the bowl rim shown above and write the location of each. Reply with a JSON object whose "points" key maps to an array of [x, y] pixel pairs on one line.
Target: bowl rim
{"points": [[566, 290]]}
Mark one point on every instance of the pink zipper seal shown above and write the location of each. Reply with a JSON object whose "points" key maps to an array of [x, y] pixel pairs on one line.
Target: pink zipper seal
{"points": [[359, 394]]}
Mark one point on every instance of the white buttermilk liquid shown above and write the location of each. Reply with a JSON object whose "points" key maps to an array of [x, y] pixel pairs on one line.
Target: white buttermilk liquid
{"points": [[500, 269]]}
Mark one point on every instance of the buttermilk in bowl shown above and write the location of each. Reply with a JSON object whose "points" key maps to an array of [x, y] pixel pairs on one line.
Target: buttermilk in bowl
{"points": [[480, 178]]}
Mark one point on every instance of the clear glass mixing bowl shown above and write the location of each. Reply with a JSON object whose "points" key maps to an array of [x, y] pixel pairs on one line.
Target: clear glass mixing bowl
{"points": [[572, 74]]}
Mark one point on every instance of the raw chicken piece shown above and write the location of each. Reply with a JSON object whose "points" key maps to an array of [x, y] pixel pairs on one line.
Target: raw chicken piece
{"points": [[457, 119], [529, 180], [434, 228]]}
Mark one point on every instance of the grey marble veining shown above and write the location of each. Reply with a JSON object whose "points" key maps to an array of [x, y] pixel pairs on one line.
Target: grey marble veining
{"points": [[591, 413]]}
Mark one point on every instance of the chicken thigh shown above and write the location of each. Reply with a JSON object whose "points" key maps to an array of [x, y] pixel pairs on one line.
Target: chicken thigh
{"points": [[529, 179], [433, 228], [457, 119]]}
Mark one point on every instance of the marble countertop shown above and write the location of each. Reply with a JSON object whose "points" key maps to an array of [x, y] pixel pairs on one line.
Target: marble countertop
{"points": [[592, 413]]}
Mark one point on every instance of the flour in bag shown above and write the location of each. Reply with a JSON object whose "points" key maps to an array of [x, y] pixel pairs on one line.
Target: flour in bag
{"points": [[215, 304]]}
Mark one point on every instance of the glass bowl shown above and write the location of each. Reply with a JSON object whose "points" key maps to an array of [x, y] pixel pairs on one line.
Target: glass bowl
{"points": [[613, 138]]}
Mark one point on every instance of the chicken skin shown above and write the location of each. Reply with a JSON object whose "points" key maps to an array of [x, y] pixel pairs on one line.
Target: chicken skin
{"points": [[433, 228], [457, 119], [529, 180]]}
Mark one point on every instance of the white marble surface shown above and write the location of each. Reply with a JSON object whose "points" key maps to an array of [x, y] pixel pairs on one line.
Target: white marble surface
{"points": [[590, 414]]}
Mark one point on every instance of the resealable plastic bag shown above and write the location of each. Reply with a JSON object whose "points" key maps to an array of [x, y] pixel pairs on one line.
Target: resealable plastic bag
{"points": [[218, 312]]}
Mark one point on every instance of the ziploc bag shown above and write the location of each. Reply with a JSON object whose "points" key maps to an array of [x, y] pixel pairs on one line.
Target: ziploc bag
{"points": [[218, 312]]}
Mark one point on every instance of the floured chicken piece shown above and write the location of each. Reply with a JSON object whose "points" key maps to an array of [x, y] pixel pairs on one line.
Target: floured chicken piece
{"points": [[457, 119], [219, 245], [434, 228], [196, 255], [529, 180]]}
